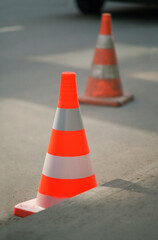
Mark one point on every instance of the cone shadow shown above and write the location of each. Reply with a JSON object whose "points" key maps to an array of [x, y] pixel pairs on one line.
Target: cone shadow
{"points": [[129, 186]]}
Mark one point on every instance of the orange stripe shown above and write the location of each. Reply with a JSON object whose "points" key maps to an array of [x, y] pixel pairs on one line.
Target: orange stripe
{"points": [[63, 188], [105, 57], [68, 143], [104, 87]]}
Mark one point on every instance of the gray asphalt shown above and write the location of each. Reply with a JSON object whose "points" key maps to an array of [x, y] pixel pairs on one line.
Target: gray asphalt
{"points": [[39, 40]]}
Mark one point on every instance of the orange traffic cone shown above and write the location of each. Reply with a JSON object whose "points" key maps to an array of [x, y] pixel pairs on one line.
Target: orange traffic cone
{"points": [[67, 169], [104, 84]]}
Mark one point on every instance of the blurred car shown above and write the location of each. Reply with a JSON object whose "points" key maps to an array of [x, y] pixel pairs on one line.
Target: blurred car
{"points": [[94, 6]]}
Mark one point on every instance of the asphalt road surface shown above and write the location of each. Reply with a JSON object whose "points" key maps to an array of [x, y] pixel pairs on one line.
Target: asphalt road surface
{"points": [[38, 41]]}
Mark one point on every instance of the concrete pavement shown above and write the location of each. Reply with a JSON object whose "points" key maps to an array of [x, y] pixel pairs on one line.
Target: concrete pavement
{"points": [[117, 210]]}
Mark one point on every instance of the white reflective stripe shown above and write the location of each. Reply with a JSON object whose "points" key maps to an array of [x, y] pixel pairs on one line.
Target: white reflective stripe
{"points": [[105, 42], [67, 167], [46, 201], [104, 71], [68, 119]]}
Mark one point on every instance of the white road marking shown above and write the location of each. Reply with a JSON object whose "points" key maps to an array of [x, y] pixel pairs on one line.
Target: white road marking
{"points": [[79, 59], [11, 29], [82, 58], [149, 76]]}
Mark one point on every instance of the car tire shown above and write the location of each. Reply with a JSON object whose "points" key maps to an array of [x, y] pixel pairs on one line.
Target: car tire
{"points": [[90, 6]]}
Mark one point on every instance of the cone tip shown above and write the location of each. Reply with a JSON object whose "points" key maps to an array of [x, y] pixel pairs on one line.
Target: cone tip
{"points": [[106, 28], [68, 75], [68, 91], [106, 16]]}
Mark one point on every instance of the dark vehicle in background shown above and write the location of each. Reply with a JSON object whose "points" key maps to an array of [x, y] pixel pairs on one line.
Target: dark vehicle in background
{"points": [[94, 6]]}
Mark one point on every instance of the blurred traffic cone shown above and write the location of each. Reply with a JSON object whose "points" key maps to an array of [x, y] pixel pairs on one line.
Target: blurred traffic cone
{"points": [[104, 84], [67, 169]]}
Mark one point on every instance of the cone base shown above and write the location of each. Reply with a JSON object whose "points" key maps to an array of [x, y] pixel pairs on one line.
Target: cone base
{"points": [[27, 208], [112, 102]]}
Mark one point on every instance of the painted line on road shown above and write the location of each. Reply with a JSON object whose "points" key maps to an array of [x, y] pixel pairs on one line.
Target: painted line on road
{"points": [[148, 76], [82, 58], [11, 29]]}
